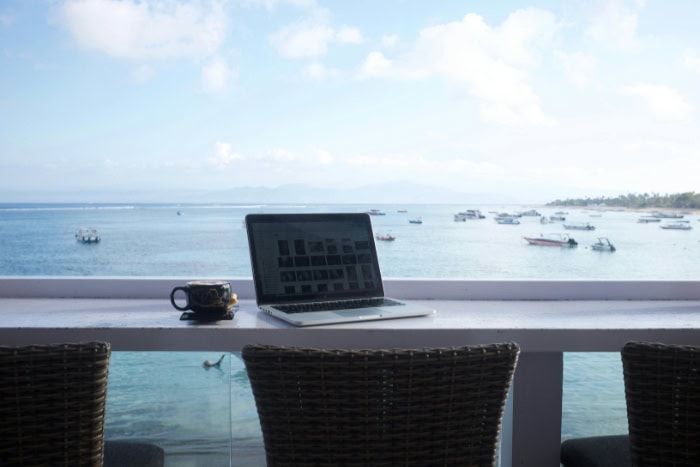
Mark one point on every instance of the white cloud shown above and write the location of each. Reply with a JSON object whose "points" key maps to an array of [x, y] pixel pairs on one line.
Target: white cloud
{"points": [[323, 157], [375, 65], [615, 25], [215, 75], [283, 155], [271, 5], [142, 74], [311, 37], [578, 67], [224, 157], [661, 101], [492, 63], [302, 40], [318, 71], [692, 62], [147, 29], [348, 35], [389, 41]]}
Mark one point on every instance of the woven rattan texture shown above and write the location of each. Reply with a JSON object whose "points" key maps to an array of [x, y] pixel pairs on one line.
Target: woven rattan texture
{"points": [[52, 404], [440, 406], [662, 387]]}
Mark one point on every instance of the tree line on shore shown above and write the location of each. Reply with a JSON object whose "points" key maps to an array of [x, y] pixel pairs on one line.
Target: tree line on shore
{"points": [[687, 200]]}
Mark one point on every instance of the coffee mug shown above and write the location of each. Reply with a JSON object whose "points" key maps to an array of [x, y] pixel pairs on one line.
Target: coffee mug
{"points": [[206, 297]]}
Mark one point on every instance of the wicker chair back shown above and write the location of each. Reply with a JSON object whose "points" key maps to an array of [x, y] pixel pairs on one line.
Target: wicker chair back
{"points": [[662, 388], [323, 407], [52, 404]]}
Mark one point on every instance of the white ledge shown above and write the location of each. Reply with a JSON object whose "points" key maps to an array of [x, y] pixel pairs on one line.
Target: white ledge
{"points": [[414, 289]]}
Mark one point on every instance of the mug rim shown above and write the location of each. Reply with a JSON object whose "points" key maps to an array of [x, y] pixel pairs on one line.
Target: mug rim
{"points": [[207, 283]]}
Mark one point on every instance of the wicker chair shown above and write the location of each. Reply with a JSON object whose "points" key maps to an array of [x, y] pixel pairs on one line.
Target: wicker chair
{"points": [[52, 404], [52, 409], [322, 407], [662, 388]]}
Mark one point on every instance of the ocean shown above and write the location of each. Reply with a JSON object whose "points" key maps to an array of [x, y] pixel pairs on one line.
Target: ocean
{"points": [[202, 416]]}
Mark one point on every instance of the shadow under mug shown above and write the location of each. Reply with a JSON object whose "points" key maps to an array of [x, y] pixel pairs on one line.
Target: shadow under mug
{"points": [[206, 297]]}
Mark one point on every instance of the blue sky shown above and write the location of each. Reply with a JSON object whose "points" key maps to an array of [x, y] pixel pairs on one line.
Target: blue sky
{"points": [[532, 101]]}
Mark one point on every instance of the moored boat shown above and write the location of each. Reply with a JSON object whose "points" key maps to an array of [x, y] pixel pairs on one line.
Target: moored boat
{"points": [[468, 214], [376, 212], [386, 237], [581, 226], [417, 220], [666, 215], [678, 225], [552, 240], [530, 213], [87, 235], [648, 219], [603, 244], [507, 220]]}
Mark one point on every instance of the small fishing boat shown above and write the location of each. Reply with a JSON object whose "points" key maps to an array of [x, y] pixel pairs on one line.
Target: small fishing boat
{"points": [[386, 237], [667, 215], [563, 241], [376, 212], [530, 213], [557, 218], [679, 225], [581, 226], [648, 219], [87, 235], [507, 220], [603, 244], [417, 220], [468, 214]]}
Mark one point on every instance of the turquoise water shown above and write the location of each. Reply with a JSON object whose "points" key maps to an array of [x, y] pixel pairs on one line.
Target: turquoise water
{"points": [[201, 416]]}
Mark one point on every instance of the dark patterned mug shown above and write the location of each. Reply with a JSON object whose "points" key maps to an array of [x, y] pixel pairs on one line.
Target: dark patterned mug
{"points": [[206, 297]]}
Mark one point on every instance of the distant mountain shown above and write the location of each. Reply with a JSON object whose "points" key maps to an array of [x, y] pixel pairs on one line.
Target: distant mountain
{"points": [[385, 193], [382, 193]]}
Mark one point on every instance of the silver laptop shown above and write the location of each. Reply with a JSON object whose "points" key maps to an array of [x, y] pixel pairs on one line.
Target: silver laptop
{"points": [[312, 269]]}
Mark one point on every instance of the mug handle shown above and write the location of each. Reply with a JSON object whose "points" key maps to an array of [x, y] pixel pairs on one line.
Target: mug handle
{"points": [[172, 298]]}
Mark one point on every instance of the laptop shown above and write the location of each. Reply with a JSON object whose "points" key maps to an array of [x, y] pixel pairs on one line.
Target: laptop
{"points": [[312, 269]]}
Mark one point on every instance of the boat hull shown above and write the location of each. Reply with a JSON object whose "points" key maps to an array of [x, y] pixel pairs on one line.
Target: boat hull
{"points": [[541, 241]]}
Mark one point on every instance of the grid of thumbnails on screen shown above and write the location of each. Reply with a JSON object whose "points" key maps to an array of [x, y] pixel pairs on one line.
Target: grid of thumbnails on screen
{"points": [[326, 266]]}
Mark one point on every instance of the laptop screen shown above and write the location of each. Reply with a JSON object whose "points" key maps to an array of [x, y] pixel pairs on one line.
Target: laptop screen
{"points": [[310, 257]]}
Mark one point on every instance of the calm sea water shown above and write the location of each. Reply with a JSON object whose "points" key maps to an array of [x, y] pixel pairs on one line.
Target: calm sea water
{"points": [[200, 416]]}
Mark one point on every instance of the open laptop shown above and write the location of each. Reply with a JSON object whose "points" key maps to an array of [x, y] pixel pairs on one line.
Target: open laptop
{"points": [[312, 269]]}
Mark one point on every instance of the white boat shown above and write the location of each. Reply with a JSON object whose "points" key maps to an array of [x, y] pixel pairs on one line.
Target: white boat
{"points": [[546, 220], [552, 240], [530, 213], [678, 225], [581, 226], [507, 220], [557, 218], [648, 219], [667, 215], [603, 244], [386, 237], [87, 235], [376, 212], [468, 214], [417, 220]]}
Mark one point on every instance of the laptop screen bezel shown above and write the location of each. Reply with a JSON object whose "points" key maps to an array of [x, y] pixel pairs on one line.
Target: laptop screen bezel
{"points": [[253, 220]]}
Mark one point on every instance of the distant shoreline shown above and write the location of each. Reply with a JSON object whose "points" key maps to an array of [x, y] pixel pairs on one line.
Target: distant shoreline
{"points": [[626, 209]]}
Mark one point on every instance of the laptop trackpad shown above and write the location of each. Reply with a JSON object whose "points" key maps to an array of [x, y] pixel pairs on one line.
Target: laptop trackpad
{"points": [[360, 312]]}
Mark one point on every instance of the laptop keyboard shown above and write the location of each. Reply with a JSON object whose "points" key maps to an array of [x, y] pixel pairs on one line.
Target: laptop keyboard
{"points": [[337, 305]]}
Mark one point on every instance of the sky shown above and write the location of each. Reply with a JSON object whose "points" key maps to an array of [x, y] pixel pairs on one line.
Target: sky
{"points": [[112, 100]]}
